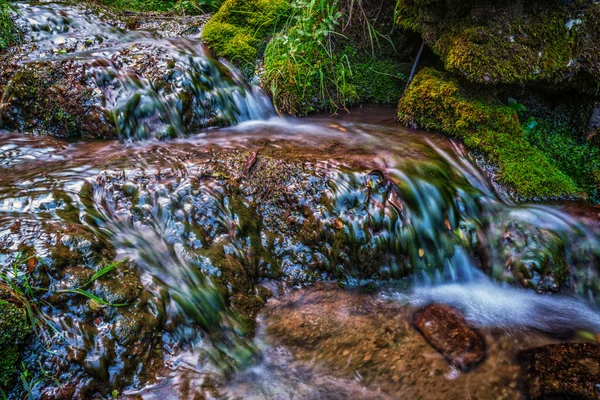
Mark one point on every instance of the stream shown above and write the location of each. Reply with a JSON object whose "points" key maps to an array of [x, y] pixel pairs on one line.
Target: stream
{"points": [[263, 257]]}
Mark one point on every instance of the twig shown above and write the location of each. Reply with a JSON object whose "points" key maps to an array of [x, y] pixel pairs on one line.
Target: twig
{"points": [[414, 68]]}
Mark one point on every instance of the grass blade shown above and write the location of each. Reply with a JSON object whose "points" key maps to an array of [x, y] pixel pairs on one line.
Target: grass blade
{"points": [[92, 297], [104, 271]]}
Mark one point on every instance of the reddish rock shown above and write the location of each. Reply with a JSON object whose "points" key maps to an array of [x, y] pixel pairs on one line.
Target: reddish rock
{"points": [[447, 330], [561, 371]]}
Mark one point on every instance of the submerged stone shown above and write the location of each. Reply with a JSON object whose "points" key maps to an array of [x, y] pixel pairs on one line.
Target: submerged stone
{"points": [[561, 371], [448, 331]]}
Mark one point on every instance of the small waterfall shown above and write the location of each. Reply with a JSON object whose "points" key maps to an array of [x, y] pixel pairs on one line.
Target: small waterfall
{"points": [[98, 80]]}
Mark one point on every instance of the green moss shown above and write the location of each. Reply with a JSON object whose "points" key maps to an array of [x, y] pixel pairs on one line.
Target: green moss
{"points": [[578, 159], [13, 330], [437, 101], [240, 28], [317, 80], [510, 42], [518, 52]]}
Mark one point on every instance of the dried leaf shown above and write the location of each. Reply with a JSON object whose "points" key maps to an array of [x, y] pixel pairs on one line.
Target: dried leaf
{"points": [[337, 224], [250, 162], [30, 265], [421, 253]]}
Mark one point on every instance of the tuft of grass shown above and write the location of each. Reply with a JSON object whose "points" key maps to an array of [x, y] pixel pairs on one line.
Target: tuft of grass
{"points": [[435, 100], [17, 285], [311, 66], [8, 32], [178, 6]]}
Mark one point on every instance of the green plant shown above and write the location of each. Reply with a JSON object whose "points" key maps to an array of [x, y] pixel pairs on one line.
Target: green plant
{"points": [[13, 330], [577, 158], [435, 100], [18, 285], [240, 28], [311, 66], [178, 6], [8, 33]]}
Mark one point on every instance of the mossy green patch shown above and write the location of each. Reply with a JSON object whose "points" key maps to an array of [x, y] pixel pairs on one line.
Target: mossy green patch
{"points": [[240, 28], [578, 159], [435, 100], [311, 65], [519, 52], [316, 80], [13, 330], [510, 42]]}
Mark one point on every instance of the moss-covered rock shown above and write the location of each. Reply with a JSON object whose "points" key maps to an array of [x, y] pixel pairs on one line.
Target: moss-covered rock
{"points": [[240, 28], [323, 81], [560, 131], [13, 330], [510, 41], [435, 100], [323, 60]]}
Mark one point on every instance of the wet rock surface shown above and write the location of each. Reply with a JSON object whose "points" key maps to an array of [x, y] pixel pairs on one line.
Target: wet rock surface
{"points": [[562, 371], [351, 334], [214, 225], [448, 332], [80, 76]]}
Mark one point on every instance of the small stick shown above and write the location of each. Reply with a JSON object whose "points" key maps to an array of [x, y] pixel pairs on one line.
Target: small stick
{"points": [[414, 68]]}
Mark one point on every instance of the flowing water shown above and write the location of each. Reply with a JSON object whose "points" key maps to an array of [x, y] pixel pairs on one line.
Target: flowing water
{"points": [[212, 222]]}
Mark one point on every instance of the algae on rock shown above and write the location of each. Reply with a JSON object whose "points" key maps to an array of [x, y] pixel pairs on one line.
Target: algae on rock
{"points": [[13, 330]]}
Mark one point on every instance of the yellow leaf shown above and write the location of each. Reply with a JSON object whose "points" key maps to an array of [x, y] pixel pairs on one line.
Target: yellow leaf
{"points": [[421, 253]]}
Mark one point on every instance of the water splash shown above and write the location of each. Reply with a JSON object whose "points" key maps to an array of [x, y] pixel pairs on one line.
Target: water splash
{"points": [[99, 80]]}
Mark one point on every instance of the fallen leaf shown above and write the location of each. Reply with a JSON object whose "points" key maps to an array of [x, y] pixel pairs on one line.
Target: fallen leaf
{"points": [[447, 223], [30, 265], [250, 162]]}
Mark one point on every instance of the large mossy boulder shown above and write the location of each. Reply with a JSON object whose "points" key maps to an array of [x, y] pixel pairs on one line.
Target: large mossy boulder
{"points": [[240, 28], [436, 100], [511, 41], [13, 330]]}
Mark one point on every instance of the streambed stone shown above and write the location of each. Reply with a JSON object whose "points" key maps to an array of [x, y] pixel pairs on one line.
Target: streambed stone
{"points": [[561, 371], [448, 331]]}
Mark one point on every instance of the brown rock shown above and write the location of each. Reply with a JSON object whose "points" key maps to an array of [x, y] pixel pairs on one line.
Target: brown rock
{"points": [[447, 330], [561, 371]]}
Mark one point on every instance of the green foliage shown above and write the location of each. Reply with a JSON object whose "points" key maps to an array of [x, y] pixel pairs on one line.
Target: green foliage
{"points": [[578, 159], [179, 6], [240, 28], [435, 100], [13, 330], [557, 127], [8, 32], [309, 66]]}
